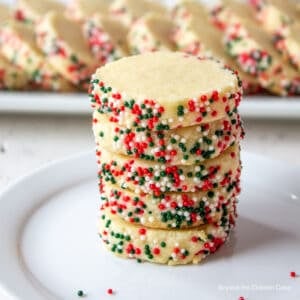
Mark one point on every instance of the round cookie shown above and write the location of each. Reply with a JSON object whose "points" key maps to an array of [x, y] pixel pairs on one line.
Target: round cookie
{"points": [[151, 32], [254, 51], [63, 43], [181, 146], [19, 47], [128, 11], [171, 247], [156, 178], [131, 95], [169, 210], [12, 77], [82, 10], [196, 35], [31, 11], [106, 38]]}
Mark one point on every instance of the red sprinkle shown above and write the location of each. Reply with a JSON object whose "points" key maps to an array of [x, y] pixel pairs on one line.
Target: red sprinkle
{"points": [[194, 239], [142, 231], [214, 113], [293, 274], [156, 251], [110, 291], [203, 98]]}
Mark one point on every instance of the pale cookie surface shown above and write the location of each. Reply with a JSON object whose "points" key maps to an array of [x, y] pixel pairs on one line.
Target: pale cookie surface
{"points": [[63, 42], [170, 210], [151, 33], [181, 146], [106, 37], [12, 77], [30, 11], [157, 178], [18, 45], [82, 10], [128, 11], [196, 35], [163, 90], [5, 13], [171, 247]]}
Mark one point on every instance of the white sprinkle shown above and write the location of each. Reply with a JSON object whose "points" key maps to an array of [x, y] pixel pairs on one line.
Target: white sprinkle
{"points": [[294, 197]]}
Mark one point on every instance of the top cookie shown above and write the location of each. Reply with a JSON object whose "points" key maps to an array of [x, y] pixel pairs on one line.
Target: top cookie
{"points": [[164, 90]]}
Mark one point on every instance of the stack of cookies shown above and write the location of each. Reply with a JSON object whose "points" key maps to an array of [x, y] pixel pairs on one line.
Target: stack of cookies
{"points": [[167, 130]]}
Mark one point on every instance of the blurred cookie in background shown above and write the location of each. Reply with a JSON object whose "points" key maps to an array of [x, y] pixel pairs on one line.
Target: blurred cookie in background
{"points": [[12, 77], [128, 11], [62, 41], [152, 32], [81, 10], [18, 46], [30, 11], [106, 37]]}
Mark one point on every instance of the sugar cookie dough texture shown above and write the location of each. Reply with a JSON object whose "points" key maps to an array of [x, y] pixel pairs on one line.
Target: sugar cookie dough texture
{"points": [[167, 130]]}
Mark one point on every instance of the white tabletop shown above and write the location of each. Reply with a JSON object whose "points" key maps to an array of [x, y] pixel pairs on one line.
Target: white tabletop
{"points": [[28, 142]]}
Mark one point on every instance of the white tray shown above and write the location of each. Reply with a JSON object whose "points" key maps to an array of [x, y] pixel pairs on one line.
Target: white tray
{"points": [[78, 104], [49, 246]]}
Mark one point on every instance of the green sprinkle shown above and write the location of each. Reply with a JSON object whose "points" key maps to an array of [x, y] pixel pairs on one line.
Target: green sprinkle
{"points": [[80, 293], [210, 194], [163, 244]]}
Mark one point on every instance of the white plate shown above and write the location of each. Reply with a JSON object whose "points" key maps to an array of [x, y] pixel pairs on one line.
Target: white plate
{"points": [[79, 104], [49, 247]]}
